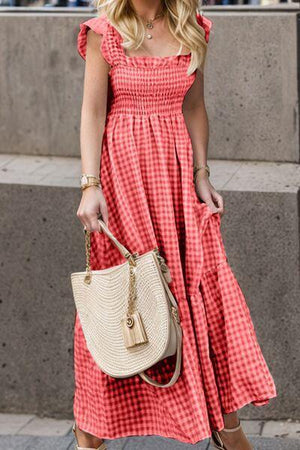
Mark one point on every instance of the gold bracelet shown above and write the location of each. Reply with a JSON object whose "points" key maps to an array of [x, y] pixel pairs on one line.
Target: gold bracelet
{"points": [[89, 176], [197, 168], [91, 183]]}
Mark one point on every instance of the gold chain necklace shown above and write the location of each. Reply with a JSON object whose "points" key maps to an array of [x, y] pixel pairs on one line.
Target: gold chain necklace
{"points": [[150, 26]]}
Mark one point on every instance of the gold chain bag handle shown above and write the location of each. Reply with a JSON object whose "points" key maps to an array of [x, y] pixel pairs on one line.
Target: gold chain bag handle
{"points": [[132, 325]]}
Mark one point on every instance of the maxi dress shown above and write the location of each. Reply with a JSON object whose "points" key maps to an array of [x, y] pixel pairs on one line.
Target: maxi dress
{"points": [[147, 176]]}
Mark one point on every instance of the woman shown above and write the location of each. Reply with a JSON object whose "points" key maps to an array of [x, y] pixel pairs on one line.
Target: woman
{"points": [[144, 139]]}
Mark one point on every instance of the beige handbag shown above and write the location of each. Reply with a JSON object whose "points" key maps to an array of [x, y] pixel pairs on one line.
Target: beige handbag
{"points": [[128, 314]]}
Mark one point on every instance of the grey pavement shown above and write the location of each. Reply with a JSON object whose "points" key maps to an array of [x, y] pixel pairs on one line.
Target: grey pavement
{"points": [[29, 432], [134, 443]]}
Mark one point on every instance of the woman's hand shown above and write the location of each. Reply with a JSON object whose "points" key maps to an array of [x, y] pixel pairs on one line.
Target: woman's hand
{"points": [[92, 204], [207, 193]]}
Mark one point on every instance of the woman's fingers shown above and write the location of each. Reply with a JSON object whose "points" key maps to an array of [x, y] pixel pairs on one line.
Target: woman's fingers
{"points": [[219, 201], [82, 217], [211, 205], [89, 220], [104, 215], [207, 193], [215, 203], [92, 207]]}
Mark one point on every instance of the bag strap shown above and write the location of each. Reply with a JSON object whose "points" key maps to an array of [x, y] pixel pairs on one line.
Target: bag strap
{"points": [[122, 249], [177, 370], [176, 321]]}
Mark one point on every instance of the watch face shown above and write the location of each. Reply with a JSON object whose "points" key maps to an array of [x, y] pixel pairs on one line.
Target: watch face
{"points": [[84, 180]]}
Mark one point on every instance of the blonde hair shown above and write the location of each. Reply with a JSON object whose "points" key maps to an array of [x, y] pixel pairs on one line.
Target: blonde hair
{"points": [[181, 19]]}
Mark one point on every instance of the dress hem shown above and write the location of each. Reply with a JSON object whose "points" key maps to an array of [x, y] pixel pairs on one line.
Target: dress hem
{"points": [[178, 438]]}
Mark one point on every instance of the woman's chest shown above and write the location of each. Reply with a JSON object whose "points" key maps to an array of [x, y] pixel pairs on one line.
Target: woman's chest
{"points": [[159, 79]]}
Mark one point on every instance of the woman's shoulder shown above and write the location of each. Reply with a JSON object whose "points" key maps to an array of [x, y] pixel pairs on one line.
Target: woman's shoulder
{"points": [[97, 24]]}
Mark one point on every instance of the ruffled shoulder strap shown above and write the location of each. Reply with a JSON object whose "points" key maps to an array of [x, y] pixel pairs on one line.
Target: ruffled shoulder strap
{"points": [[206, 24], [99, 25]]}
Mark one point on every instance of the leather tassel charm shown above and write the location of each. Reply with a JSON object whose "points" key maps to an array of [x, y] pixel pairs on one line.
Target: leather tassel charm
{"points": [[133, 330]]}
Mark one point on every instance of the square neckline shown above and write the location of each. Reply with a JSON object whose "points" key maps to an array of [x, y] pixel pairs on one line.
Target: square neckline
{"points": [[154, 57]]}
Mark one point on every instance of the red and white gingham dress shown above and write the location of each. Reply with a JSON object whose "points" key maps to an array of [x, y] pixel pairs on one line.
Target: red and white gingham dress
{"points": [[147, 176]]}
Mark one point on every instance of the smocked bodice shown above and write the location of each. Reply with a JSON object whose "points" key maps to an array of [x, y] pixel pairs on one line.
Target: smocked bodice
{"points": [[139, 85]]}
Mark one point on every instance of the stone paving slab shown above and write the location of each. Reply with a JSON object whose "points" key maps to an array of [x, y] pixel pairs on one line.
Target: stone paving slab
{"points": [[17, 443], [36, 443], [31, 425], [252, 427], [46, 427], [36, 170], [263, 177], [275, 444], [225, 175], [286, 429], [12, 423]]}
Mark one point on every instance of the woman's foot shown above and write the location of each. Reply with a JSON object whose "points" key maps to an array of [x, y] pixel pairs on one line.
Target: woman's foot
{"points": [[87, 440]]}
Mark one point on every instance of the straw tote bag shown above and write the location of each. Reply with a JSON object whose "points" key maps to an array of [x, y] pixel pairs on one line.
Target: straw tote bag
{"points": [[129, 316]]}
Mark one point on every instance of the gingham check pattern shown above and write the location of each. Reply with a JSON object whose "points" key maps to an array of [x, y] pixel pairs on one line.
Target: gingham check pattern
{"points": [[147, 176]]}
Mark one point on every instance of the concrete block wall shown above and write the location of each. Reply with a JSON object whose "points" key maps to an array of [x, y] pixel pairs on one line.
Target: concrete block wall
{"points": [[252, 90], [254, 156]]}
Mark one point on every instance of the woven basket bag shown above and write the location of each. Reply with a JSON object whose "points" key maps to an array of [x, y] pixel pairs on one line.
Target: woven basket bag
{"points": [[128, 314]]}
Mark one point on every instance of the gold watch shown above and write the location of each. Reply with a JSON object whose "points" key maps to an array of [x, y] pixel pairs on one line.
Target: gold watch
{"points": [[87, 180]]}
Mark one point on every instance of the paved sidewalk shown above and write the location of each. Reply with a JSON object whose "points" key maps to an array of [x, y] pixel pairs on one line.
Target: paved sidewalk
{"points": [[227, 175], [150, 443], [28, 432]]}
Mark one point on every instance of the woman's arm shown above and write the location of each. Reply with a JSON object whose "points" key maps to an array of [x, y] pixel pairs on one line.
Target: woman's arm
{"points": [[197, 124], [93, 116]]}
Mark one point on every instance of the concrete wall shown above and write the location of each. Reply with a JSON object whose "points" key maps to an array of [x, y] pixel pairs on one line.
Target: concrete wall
{"points": [[251, 93], [36, 304], [251, 85]]}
